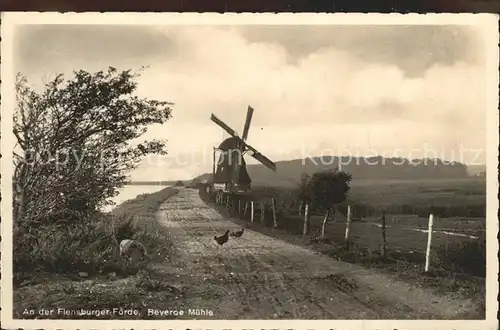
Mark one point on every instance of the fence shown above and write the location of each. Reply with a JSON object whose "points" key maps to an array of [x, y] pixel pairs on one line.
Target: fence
{"points": [[378, 233]]}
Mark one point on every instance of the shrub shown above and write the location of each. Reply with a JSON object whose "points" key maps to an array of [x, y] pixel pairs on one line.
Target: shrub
{"points": [[91, 244], [79, 247], [465, 257], [179, 183]]}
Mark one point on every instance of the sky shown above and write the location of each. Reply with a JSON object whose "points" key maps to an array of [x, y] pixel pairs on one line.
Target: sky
{"points": [[395, 91]]}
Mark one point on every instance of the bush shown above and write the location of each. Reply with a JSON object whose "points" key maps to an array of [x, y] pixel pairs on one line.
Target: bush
{"points": [[464, 257], [79, 247], [179, 183], [91, 245]]}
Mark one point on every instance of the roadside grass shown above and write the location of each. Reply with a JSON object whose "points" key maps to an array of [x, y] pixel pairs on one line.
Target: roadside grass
{"points": [[50, 274], [458, 264], [123, 298]]}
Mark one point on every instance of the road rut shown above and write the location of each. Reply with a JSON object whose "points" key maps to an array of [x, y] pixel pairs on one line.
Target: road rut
{"points": [[259, 277]]}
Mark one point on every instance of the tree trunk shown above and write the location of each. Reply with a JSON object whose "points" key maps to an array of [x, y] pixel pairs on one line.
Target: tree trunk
{"points": [[300, 208], [20, 192], [21, 206], [325, 219]]}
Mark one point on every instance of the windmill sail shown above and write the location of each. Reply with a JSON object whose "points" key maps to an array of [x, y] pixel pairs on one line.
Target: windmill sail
{"points": [[223, 125], [261, 158], [244, 136]]}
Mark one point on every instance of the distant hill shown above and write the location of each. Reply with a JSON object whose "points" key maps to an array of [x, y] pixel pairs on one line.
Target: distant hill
{"points": [[372, 168], [475, 170]]}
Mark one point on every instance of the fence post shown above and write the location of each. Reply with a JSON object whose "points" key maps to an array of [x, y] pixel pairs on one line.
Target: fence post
{"points": [[305, 230], [429, 238], [239, 206], [262, 210], [246, 208], [348, 225], [300, 208], [273, 205], [252, 211], [384, 241]]}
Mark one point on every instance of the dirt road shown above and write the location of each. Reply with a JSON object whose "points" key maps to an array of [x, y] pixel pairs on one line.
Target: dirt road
{"points": [[259, 277]]}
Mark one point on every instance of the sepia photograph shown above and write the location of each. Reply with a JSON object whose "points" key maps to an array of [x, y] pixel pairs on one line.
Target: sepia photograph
{"points": [[288, 169]]}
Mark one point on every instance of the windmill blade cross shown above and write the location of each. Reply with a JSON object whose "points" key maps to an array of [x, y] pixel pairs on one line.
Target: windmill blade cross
{"points": [[246, 128], [241, 141]]}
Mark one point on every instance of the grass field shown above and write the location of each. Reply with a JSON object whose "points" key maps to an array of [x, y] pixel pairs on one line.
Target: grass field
{"points": [[407, 205], [459, 198]]}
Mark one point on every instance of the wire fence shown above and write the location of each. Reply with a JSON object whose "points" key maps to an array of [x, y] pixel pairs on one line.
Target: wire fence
{"points": [[458, 240]]}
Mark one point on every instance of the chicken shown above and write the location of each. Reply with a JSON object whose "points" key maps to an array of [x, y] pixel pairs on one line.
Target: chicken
{"points": [[222, 239], [238, 233], [133, 250]]}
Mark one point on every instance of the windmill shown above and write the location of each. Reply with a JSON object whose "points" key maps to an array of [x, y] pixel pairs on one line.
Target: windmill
{"points": [[231, 168]]}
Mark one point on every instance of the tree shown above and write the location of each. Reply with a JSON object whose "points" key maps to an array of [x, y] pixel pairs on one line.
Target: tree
{"points": [[179, 183], [303, 191], [73, 147], [328, 189]]}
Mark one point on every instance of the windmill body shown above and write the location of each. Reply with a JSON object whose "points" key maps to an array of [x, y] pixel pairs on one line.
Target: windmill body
{"points": [[230, 173]]}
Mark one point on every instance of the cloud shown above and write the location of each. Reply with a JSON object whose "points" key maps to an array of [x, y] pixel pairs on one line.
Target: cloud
{"points": [[55, 48], [331, 97], [226, 73], [428, 44]]}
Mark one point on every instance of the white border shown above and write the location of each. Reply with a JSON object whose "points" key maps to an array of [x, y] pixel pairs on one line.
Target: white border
{"points": [[488, 22]]}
